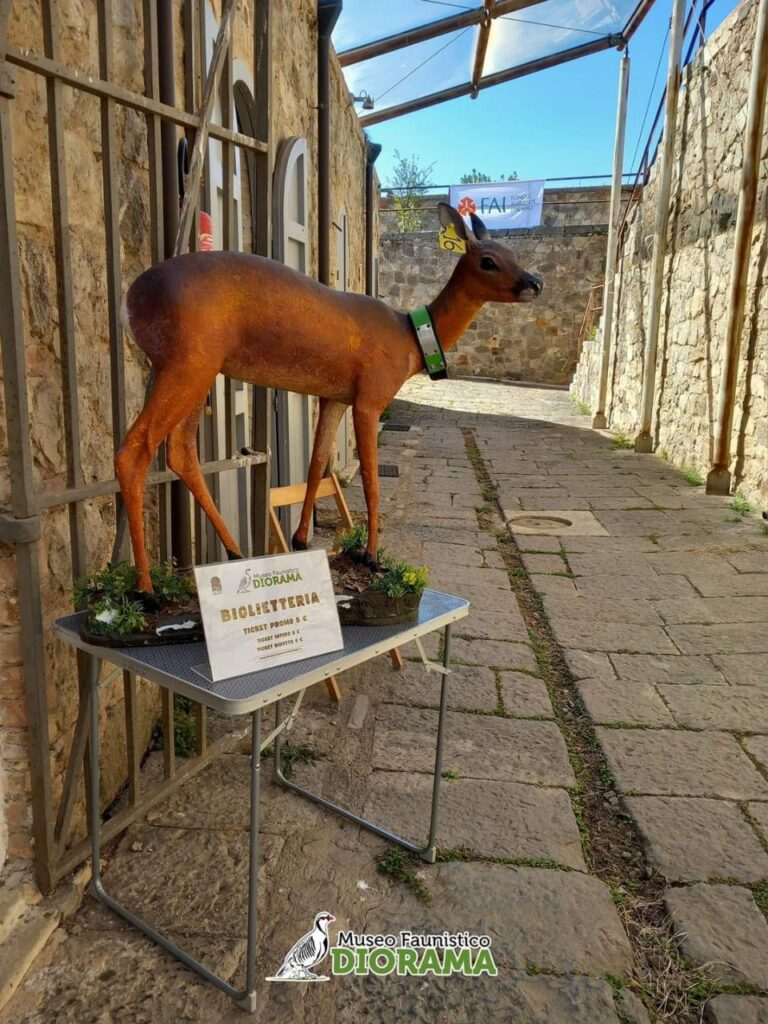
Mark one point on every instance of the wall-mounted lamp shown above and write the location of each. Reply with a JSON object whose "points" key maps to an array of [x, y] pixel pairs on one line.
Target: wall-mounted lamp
{"points": [[365, 98]]}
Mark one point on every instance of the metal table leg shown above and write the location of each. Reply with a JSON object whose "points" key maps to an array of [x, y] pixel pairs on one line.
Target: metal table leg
{"points": [[428, 852], [246, 998]]}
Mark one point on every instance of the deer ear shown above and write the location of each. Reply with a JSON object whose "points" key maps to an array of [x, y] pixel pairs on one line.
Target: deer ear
{"points": [[479, 229], [448, 215]]}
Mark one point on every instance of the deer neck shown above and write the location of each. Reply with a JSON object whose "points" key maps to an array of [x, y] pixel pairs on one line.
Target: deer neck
{"points": [[454, 309]]}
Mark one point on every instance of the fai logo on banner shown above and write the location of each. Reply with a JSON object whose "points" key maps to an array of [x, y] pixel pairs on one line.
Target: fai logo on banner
{"points": [[407, 953], [308, 952]]}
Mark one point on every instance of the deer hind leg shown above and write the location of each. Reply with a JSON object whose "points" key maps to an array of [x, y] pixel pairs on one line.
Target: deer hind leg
{"points": [[327, 425], [366, 420], [181, 451], [170, 401]]}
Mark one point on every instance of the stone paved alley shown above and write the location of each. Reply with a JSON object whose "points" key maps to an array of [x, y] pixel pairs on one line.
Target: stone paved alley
{"points": [[605, 814]]}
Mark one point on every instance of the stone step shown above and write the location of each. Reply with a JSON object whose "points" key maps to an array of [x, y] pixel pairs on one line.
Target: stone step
{"points": [[20, 949], [13, 905]]}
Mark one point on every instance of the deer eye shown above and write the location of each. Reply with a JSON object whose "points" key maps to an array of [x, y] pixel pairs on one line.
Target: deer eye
{"points": [[487, 263]]}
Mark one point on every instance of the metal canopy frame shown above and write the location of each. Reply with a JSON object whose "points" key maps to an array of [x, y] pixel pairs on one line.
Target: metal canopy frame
{"points": [[482, 16]]}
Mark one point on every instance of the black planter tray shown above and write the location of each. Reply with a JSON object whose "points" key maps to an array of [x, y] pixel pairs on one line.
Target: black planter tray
{"points": [[147, 639], [376, 608]]}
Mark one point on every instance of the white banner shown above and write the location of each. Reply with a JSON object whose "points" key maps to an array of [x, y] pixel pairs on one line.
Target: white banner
{"points": [[260, 612], [501, 204]]}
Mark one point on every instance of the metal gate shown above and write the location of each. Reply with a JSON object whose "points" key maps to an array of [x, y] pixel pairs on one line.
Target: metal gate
{"points": [[32, 499]]}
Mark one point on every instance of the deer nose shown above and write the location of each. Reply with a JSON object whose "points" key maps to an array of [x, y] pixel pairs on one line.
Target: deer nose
{"points": [[534, 282]]}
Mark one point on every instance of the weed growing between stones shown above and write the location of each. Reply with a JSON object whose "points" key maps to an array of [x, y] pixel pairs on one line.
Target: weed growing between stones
{"points": [[693, 477], [398, 865], [622, 442], [581, 407], [295, 753], [674, 989], [741, 506]]}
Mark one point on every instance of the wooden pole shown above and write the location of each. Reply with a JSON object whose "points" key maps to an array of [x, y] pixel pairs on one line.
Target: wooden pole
{"points": [[719, 478], [599, 421], [644, 440]]}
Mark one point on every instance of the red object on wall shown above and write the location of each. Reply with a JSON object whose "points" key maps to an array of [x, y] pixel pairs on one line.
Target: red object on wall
{"points": [[206, 232]]}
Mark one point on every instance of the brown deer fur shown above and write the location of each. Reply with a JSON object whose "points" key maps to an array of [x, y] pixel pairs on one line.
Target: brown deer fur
{"points": [[258, 321]]}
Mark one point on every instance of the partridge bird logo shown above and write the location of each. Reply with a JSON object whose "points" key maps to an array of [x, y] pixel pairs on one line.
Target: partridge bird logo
{"points": [[308, 952]]}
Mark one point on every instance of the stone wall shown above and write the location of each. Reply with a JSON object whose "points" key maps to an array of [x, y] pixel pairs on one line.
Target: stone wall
{"points": [[533, 341], [708, 155], [294, 113]]}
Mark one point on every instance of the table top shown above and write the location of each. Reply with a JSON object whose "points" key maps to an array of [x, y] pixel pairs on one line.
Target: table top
{"points": [[182, 667]]}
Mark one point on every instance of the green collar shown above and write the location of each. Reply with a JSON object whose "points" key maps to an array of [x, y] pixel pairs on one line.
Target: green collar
{"points": [[429, 343]]}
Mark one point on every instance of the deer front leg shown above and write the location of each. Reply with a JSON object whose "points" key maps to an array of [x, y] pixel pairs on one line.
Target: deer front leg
{"points": [[366, 420], [327, 425]]}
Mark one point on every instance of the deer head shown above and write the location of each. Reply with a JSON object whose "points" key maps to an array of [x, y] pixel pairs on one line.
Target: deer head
{"points": [[488, 271]]}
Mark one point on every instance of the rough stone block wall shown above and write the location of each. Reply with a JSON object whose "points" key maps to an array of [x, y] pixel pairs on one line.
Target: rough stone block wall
{"points": [[529, 341], [294, 113], [708, 157]]}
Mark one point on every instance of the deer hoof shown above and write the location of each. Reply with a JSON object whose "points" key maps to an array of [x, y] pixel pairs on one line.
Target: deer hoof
{"points": [[371, 561], [233, 556], [298, 545]]}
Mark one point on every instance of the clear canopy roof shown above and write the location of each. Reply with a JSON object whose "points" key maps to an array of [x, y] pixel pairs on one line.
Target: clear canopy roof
{"points": [[407, 54]]}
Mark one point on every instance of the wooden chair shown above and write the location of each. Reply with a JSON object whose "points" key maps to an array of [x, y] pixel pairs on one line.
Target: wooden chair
{"points": [[293, 494]]}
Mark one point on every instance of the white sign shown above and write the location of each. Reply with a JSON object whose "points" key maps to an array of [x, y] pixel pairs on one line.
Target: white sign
{"points": [[261, 612], [501, 205]]}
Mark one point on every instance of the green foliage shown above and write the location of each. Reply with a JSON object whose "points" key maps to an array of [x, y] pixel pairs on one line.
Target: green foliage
{"points": [[117, 616], [477, 177], [581, 407], [184, 727], [350, 541], [621, 441], [168, 585], [410, 180], [663, 454], [295, 753], [450, 774], [398, 864], [113, 581], [693, 477], [741, 506], [400, 578]]}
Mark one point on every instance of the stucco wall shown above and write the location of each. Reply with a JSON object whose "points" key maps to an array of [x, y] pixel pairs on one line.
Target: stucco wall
{"points": [[534, 341], [708, 156], [293, 113]]}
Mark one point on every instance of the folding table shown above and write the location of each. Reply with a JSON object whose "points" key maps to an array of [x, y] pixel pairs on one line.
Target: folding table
{"points": [[181, 668]]}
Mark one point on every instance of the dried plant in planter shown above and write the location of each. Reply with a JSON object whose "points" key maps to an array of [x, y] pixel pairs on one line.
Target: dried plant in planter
{"points": [[118, 614], [383, 594]]}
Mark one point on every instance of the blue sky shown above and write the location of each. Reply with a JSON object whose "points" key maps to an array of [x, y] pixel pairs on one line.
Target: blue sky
{"points": [[555, 123]]}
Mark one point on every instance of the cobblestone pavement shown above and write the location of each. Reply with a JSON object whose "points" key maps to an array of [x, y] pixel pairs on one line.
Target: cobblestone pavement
{"points": [[605, 814]]}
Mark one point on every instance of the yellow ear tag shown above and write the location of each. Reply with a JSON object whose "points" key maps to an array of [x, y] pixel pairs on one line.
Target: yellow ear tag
{"points": [[450, 241]]}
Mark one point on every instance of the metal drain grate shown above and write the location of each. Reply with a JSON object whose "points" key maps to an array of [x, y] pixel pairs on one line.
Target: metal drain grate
{"points": [[396, 426], [386, 469]]}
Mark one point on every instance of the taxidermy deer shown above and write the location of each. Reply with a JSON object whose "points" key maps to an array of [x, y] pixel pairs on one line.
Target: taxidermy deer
{"points": [[258, 321]]}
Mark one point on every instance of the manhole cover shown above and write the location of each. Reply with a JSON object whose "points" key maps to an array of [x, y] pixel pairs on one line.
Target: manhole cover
{"points": [[385, 469], [540, 522], [396, 426]]}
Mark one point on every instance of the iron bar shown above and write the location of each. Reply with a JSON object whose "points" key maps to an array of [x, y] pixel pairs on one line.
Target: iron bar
{"points": [[372, 151], [85, 82], [261, 427], [599, 421], [65, 291], [644, 439], [421, 102], [719, 478], [105, 487], [328, 12], [23, 507], [430, 31], [204, 127], [133, 754]]}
